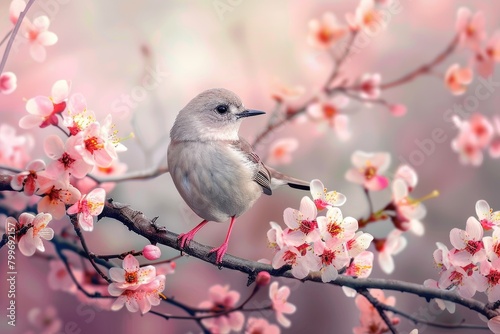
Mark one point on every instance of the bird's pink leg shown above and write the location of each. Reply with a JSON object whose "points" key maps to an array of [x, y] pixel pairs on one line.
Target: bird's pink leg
{"points": [[221, 250], [185, 238]]}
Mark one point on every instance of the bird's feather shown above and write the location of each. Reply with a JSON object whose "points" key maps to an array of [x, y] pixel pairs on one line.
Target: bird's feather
{"points": [[262, 175]]}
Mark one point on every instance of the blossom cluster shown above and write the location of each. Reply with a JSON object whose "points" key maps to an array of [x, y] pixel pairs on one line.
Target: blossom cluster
{"points": [[223, 300], [473, 264], [89, 145], [138, 288], [403, 211], [476, 135], [324, 244], [38, 36]]}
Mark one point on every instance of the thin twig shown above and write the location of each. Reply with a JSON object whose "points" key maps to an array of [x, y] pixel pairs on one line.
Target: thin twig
{"points": [[79, 233], [5, 38], [426, 68], [378, 306], [13, 35]]}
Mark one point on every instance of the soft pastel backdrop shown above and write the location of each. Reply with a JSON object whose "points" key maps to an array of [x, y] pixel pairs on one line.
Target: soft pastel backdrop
{"points": [[245, 50]]}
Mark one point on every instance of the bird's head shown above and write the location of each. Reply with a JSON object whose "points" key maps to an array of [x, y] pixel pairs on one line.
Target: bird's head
{"points": [[214, 114]]}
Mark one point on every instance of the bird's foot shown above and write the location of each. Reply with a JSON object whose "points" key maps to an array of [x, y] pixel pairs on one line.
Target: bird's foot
{"points": [[185, 238], [220, 251]]}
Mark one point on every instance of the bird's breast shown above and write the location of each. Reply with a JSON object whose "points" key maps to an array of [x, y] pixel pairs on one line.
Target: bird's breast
{"points": [[213, 178]]}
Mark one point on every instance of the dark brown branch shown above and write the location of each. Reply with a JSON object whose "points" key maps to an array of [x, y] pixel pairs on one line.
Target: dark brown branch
{"points": [[138, 223]]}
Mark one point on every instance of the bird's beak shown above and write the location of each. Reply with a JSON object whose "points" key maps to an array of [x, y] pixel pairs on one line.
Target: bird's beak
{"points": [[249, 112]]}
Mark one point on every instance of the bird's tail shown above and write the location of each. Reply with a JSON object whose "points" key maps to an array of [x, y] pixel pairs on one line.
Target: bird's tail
{"points": [[278, 179]]}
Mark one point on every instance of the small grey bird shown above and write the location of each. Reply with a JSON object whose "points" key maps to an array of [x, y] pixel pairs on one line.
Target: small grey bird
{"points": [[215, 170]]}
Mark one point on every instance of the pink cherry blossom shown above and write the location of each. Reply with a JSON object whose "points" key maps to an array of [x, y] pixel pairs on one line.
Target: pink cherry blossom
{"points": [[151, 252], [57, 194], [43, 110], [323, 198], [370, 319], [14, 150], [39, 36], [494, 324], [301, 258], [328, 109], [367, 169], [486, 216], [492, 245], [359, 243], [260, 326], [222, 299], [98, 144], [31, 179], [494, 149], [366, 16], [467, 146], [398, 110], [485, 65], [493, 47], [335, 229], [45, 320], [491, 271], [471, 28], [302, 223], [465, 283], [281, 306], [457, 79], [407, 174], [482, 128], [32, 239], [66, 158], [140, 299], [392, 245], [441, 257], [87, 207], [16, 7], [275, 236], [131, 277], [409, 212], [326, 32], [280, 151], [369, 86], [468, 242], [361, 266], [8, 82], [332, 259]]}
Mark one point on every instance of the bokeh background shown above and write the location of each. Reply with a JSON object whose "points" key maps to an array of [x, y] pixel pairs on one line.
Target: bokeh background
{"points": [[105, 49]]}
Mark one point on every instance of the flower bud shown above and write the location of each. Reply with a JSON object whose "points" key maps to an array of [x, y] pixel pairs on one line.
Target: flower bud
{"points": [[151, 252], [263, 279]]}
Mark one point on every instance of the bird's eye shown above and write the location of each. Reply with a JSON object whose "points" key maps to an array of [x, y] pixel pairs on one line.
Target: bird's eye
{"points": [[222, 109]]}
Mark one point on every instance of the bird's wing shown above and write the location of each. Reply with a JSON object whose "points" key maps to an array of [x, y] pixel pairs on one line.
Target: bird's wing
{"points": [[262, 175]]}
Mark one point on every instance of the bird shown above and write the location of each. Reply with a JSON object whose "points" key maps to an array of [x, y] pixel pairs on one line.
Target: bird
{"points": [[217, 172]]}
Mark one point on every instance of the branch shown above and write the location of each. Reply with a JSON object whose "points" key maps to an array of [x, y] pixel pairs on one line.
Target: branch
{"points": [[137, 222], [13, 35], [426, 68], [379, 307], [431, 323]]}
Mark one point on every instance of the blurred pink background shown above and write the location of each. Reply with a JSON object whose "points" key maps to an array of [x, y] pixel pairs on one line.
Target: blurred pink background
{"points": [[99, 51]]}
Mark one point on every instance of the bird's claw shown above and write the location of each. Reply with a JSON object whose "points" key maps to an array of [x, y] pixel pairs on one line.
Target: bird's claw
{"points": [[184, 239], [220, 251]]}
